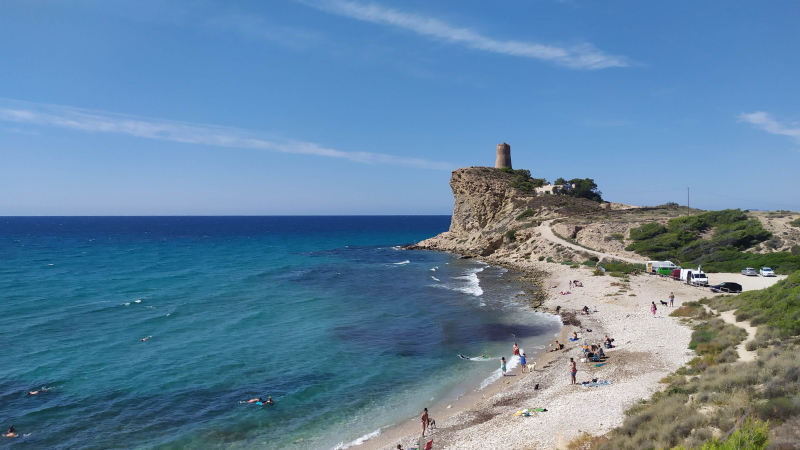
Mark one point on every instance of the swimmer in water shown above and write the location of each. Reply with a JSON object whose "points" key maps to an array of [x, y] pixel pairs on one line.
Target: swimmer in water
{"points": [[255, 400], [144, 339], [269, 401], [12, 433]]}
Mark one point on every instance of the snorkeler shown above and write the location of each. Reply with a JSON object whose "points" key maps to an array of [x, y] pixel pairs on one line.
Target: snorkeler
{"points": [[12, 433]]}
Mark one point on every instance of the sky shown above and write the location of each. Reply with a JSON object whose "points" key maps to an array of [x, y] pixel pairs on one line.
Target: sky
{"points": [[318, 107]]}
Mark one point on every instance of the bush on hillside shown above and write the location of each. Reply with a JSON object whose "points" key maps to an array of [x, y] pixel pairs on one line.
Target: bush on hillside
{"points": [[777, 308], [795, 222], [681, 241], [523, 181], [525, 214]]}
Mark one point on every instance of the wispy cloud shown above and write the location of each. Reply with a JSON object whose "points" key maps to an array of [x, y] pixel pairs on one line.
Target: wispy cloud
{"points": [[765, 122], [253, 27], [584, 56], [185, 132]]}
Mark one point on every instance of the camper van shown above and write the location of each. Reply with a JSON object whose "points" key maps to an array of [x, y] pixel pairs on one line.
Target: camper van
{"points": [[654, 266], [695, 277]]}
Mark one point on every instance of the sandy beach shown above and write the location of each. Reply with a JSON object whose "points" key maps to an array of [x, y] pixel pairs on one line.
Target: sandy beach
{"points": [[648, 348]]}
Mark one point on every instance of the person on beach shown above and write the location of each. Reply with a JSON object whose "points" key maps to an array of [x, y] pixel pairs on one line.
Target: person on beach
{"points": [[585, 310], [12, 433], [522, 362], [653, 308], [557, 348], [574, 335], [516, 349], [503, 365], [573, 370], [570, 284], [424, 420], [671, 299]]}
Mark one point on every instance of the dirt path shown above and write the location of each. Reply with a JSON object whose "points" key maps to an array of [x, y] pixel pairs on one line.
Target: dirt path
{"points": [[729, 317], [547, 233]]}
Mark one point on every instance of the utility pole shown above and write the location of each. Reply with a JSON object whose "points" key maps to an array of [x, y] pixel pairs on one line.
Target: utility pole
{"points": [[687, 201]]}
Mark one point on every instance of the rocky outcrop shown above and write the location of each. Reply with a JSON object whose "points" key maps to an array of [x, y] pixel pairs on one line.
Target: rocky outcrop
{"points": [[491, 216]]}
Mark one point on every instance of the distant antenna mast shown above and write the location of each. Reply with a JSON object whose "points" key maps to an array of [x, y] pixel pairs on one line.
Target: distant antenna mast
{"points": [[687, 201]]}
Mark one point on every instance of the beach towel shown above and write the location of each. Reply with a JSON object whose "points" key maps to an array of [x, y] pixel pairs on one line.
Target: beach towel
{"points": [[573, 339], [586, 384], [527, 412], [601, 364]]}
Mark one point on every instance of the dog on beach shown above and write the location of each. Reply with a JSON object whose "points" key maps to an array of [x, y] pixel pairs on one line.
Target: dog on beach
{"points": [[431, 423], [531, 367], [664, 303]]}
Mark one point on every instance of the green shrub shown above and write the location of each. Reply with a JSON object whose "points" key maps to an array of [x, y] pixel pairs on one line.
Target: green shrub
{"points": [[541, 258], [615, 237], [511, 235], [795, 249], [680, 241], [795, 222], [525, 214]]}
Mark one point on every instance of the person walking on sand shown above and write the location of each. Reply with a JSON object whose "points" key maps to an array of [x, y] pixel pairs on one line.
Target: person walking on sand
{"points": [[573, 370], [424, 420], [516, 349], [503, 365], [653, 308], [671, 298], [522, 362]]}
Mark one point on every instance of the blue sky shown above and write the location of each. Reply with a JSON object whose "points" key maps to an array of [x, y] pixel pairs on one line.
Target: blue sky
{"points": [[358, 107]]}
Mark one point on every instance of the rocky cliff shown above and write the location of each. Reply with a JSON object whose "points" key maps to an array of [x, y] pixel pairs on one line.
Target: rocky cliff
{"points": [[491, 216]]}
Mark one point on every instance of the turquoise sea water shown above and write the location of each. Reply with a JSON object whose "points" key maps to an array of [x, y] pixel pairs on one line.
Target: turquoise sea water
{"points": [[347, 332]]}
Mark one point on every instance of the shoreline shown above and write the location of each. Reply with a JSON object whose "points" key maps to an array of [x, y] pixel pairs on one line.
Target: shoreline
{"points": [[648, 349], [531, 282]]}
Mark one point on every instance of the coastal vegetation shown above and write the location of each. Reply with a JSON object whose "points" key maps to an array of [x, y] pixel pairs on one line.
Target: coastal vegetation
{"points": [[715, 239], [712, 403], [583, 188], [523, 181], [795, 222]]}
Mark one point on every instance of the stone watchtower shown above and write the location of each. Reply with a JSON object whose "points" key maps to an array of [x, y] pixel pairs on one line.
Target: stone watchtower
{"points": [[503, 156]]}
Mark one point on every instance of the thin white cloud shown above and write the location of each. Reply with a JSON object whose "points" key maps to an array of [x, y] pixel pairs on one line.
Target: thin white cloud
{"points": [[584, 56], [187, 133], [765, 122]]}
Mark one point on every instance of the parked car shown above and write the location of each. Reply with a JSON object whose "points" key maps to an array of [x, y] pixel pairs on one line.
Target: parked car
{"points": [[766, 272], [727, 287], [750, 272]]}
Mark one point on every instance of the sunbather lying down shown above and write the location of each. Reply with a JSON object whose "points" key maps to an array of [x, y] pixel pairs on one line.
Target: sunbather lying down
{"points": [[564, 293]]}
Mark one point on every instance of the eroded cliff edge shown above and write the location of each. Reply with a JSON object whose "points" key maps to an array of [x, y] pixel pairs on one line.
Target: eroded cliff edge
{"points": [[491, 217]]}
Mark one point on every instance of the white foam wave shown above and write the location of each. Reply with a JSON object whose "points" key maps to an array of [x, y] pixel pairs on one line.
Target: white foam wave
{"points": [[358, 441], [436, 279], [137, 301], [472, 285], [511, 364], [125, 304], [402, 263], [434, 269]]}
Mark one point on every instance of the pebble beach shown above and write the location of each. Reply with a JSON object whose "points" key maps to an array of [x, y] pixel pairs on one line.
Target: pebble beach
{"points": [[647, 349]]}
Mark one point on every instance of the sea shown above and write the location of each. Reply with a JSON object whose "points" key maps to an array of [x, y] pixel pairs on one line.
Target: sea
{"points": [[154, 332]]}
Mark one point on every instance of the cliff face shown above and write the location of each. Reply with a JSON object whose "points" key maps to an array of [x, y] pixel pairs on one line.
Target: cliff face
{"points": [[487, 207]]}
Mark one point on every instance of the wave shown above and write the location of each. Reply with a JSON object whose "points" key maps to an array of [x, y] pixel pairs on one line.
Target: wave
{"points": [[434, 269], [472, 285], [436, 279], [402, 263], [358, 441], [511, 364]]}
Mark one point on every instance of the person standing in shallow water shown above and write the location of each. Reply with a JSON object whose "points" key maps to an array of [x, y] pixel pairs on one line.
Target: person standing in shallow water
{"points": [[424, 420], [503, 365], [653, 308], [516, 349]]}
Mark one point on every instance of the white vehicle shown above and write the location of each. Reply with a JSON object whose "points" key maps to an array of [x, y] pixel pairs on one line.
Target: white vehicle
{"points": [[766, 272], [695, 277], [653, 266]]}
